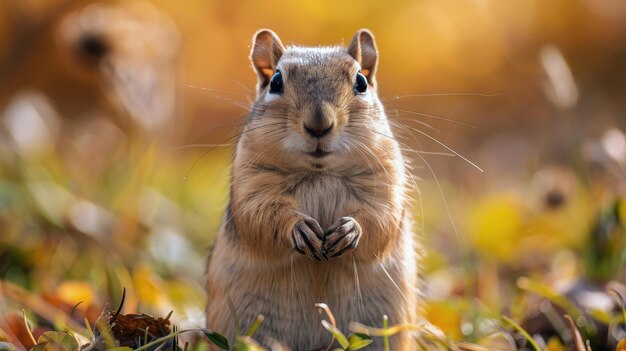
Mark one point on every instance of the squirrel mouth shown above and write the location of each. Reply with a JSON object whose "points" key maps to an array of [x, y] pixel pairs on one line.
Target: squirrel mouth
{"points": [[319, 153]]}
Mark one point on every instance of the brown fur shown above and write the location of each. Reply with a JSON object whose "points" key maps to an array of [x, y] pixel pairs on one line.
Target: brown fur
{"points": [[288, 208]]}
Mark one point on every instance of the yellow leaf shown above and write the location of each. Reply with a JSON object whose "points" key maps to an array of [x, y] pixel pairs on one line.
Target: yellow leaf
{"points": [[73, 292], [446, 316], [147, 285], [498, 341], [554, 344], [495, 226]]}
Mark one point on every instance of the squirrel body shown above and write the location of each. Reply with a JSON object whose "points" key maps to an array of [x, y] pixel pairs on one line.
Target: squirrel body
{"points": [[318, 205]]}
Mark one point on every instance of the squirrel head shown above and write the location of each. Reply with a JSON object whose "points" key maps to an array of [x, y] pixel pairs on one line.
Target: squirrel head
{"points": [[316, 107]]}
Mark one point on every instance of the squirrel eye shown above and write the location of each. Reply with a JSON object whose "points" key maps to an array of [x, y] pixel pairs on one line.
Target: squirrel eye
{"points": [[360, 86], [276, 83]]}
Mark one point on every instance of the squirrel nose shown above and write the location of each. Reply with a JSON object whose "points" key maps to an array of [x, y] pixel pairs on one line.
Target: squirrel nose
{"points": [[318, 131]]}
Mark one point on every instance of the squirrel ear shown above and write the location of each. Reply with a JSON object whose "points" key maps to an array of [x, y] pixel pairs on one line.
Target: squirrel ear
{"points": [[363, 49], [266, 51]]}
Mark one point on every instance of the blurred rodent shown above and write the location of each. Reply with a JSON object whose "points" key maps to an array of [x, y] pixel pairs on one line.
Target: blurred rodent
{"points": [[82, 79], [318, 207], [108, 59]]}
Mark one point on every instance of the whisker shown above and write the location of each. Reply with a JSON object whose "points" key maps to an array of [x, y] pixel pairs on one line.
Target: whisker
{"points": [[399, 132], [396, 119], [275, 133], [396, 140], [367, 151], [437, 117], [433, 153], [195, 146], [186, 85], [295, 282], [448, 148], [433, 139], [244, 86], [398, 97], [391, 278], [443, 197], [357, 285], [214, 127], [193, 165], [369, 164], [245, 105], [228, 139]]}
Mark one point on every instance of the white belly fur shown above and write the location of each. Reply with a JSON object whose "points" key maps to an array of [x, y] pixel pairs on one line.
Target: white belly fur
{"points": [[323, 198]]}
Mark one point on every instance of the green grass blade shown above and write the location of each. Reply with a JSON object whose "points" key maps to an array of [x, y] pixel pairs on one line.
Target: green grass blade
{"points": [[521, 330], [341, 338], [257, 323], [386, 337], [218, 339]]}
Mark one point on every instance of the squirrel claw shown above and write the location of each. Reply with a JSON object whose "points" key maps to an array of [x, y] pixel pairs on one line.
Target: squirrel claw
{"points": [[342, 237], [307, 239]]}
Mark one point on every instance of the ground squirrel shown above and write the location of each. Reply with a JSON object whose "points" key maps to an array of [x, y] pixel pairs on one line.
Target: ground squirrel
{"points": [[318, 203]]}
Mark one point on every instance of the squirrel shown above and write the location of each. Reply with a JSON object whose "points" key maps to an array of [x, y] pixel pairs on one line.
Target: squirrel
{"points": [[318, 208]]}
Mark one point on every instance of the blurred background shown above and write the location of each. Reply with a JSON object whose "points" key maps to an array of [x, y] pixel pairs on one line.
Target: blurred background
{"points": [[118, 120]]}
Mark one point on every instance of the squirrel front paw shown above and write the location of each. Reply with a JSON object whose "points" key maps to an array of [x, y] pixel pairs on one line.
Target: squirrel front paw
{"points": [[342, 237], [307, 238]]}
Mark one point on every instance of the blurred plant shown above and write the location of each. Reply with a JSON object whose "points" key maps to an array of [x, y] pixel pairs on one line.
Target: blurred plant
{"points": [[585, 297], [561, 88], [604, 254], [95, 49]]}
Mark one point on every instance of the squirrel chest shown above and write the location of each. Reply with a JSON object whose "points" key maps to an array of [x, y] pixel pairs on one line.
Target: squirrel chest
{"points": [[326, 197]]}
